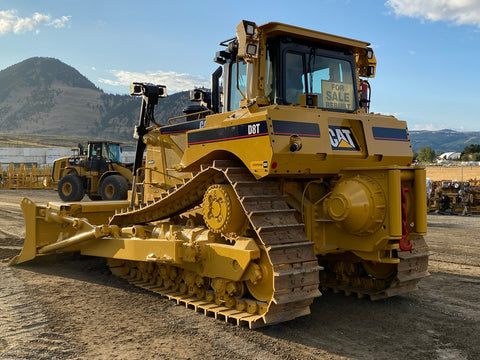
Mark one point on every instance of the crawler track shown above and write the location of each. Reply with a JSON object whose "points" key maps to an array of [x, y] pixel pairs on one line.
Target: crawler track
{"points": [[293, 267], [296, 274], [411, 269]]}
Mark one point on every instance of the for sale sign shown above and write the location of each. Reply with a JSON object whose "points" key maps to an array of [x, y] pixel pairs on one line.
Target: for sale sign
{"points": [[337, 95]]}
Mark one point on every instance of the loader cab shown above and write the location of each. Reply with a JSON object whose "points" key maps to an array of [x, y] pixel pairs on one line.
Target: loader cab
{"points": [[291, 66], [101, 154]]}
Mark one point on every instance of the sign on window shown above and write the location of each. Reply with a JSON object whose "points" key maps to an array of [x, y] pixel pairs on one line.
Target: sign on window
{"points": [[337, 95]]}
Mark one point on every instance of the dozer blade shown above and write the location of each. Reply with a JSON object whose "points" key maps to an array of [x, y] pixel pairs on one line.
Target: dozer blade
{"points": [[47, 225]]}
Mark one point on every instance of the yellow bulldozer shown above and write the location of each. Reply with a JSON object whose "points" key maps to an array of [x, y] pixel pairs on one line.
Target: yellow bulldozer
{"points": [[282, 184], [97, 172]]}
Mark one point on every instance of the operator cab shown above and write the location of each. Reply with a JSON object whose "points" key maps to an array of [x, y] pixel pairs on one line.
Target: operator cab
{"points": [[101, 154], [286, 65]]}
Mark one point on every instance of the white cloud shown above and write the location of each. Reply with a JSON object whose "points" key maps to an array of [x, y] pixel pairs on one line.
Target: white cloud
{"points": [[460, 12], [10, 22], [398, 115], [60, 23], [430, 127], [174, 81]]}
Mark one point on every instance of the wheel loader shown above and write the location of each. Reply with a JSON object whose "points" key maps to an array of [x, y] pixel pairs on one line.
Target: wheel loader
{"points": [[282, 184], [97, 172]]}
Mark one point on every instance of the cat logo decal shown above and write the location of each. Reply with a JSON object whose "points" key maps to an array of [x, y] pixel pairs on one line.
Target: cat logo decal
{"points": [[341, 138]]}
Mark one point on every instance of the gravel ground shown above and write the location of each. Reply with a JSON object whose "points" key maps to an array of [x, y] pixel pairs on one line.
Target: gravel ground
{"points": [[71, 307]]}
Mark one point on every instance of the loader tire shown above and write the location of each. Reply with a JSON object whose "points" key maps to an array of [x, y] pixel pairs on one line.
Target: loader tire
{"points": [[70, 188], [114, 187]]}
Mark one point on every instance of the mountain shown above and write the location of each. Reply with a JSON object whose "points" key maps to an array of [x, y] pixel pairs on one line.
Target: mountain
{"points": [[443, 140], [46, 96]]}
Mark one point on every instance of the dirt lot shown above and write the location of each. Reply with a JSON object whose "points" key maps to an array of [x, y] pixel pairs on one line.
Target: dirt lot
{"points": [[71, 307]]}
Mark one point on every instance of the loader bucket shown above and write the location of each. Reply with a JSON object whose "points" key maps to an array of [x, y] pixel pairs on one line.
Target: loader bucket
{"points": [[46, 226]]}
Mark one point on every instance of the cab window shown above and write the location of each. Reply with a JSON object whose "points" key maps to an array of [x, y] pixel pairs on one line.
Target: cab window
{"points": [[320, 72], [114, 153], [294, 77], [235, 96]]}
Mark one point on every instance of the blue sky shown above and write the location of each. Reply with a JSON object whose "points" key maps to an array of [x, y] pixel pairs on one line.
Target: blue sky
{"points": [[428, 51]]}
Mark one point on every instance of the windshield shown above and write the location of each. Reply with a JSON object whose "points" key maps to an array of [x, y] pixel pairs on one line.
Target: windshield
{"points": [[329, 78], [114, 153], [294, 68]]}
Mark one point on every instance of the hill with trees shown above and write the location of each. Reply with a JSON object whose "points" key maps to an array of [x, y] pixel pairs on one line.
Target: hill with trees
{"points": [[443, 140], [48, 97]]}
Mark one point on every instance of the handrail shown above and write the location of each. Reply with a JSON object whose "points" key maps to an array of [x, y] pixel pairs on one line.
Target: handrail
{"points": [[192, 114]]}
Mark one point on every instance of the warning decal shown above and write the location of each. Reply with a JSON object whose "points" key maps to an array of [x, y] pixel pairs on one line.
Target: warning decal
{"points": [[341, 138], [337, 95], [262, 164]]}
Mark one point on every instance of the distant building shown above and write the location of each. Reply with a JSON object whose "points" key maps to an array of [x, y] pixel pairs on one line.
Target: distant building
{"points": [[38, 156], [450, 156], [42, 157]]}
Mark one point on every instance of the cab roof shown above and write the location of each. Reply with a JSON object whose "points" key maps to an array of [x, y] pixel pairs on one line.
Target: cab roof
{"points": [[279, 29], [103, 142]]}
